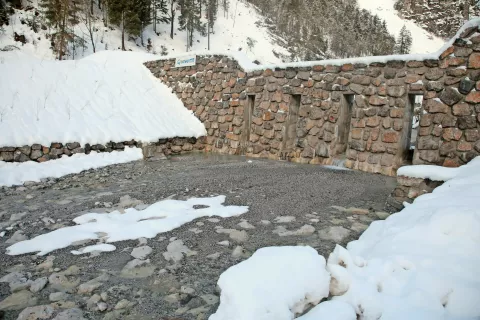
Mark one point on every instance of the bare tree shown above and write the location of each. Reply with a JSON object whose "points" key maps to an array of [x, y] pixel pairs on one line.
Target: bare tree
{"points": [[87, 18]]}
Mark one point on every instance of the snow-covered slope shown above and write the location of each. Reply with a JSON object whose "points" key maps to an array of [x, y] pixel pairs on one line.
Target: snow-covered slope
{"points": [[423, 41], [232, 31], [109, 96]]}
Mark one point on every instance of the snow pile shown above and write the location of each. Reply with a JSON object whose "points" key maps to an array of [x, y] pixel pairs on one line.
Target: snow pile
{"points": [[160, 217], [17, 173], [108, 96], [422, 40], [421, 263], [434, 173], [274, 284]]}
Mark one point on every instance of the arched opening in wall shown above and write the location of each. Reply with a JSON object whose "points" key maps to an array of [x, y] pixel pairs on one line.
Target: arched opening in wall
{"points": [[247, 124], [413, 112], [290, 128], [343, 125]]}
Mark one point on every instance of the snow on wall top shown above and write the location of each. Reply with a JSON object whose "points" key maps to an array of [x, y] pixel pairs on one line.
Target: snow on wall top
{"points": [[109, 96], [248, 66]]}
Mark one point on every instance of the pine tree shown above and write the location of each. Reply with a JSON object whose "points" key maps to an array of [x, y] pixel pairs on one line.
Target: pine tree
{"points": [[124, 14], [212, 8], [61, 14], [190, 20], [159, 13], [404, 41], [3, 12], [173, 12]]}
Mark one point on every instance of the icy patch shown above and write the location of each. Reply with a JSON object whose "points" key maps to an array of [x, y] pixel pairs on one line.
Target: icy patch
{"points": [[434, 173], [101, 247], [17, 173], [160, 217], [274, 284]]}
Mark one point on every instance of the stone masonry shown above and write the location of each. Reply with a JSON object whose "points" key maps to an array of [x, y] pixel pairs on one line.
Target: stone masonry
{"points": [[322, 112]]}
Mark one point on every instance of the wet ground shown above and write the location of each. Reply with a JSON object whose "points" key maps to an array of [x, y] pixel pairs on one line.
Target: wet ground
{"points": [[289, 204]]}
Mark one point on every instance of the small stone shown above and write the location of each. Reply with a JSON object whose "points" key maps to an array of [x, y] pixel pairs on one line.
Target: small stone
{"points": [[336, 234], [141, 252], [187, 290], [102, 306], [382, 215], [284, 219], [214, 256], [239, 252], [70, 314], [38, 284], [137, 269], [122, 304], [37, 312], [353, 210], [17, 237], [18, 301], [58, 296], [210, 299], [225, 243], [245, 225], [176, 251]]}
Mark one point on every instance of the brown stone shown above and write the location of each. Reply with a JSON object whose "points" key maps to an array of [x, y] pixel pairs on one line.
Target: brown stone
{"points": [[447, 52], [452, 134], [436, 106], [373, 121], [473, 97], [451, 163], [390, 137], [472, 135], [462, 109], [464, 146], [474, 61], [397, 113], [377, 101]]}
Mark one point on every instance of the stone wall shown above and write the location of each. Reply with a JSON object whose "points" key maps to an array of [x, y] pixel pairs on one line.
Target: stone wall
{"points": [[153, 151], [355, 111]]}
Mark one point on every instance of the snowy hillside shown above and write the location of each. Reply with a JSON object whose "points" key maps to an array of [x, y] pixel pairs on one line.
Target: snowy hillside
{"points": [[423, 41], [234, 30], [109, 96]]}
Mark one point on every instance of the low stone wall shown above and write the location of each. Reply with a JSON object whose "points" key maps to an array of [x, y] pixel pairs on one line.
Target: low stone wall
{"points": [[39, 153], [360, 112], [407, 190]]}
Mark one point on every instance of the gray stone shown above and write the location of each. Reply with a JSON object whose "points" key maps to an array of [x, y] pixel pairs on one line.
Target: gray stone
{"points": [[73, 145], [38, 284], [124, 304], [36, 154], [58, 296], [137, 269], [176, 251], [25, 150], [37, 312], [236, 235], [70, 314], [141, 252], [18, 301], [466, 86], [382, 215], [336, 234], [17, 237], [450, 96], [210, 299], [20, 284], [305, 230], [19, 156], [18, 216]]}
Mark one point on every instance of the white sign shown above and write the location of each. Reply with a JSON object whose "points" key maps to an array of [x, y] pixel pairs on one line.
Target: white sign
{"points": [[186, 61]]}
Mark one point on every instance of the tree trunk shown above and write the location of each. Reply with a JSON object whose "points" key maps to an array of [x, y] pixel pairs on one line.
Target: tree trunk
{"points": [[172, 20], [123, 31]]}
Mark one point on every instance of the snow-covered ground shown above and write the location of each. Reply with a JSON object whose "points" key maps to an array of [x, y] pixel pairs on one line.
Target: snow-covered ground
{"points": [[420, 263], [130, 224], [423, 41], [17, 173], [275, 283], [109, 96], [230, 34]]}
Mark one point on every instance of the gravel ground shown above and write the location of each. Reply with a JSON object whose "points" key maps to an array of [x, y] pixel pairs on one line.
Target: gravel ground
{"points": [[183, 289]]}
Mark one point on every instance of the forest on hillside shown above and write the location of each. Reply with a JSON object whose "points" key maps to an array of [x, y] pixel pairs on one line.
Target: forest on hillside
{"points": [[321, 29], [308, 29]]}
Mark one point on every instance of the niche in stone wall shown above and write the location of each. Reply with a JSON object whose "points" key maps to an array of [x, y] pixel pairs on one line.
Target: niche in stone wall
{"points": [[413, 112], [247, 124], [343, 125], [290, 130]]}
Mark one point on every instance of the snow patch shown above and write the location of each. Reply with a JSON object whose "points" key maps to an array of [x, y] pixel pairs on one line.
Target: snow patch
{"points": [[160, 217], [17, 173], [275, 283]]}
